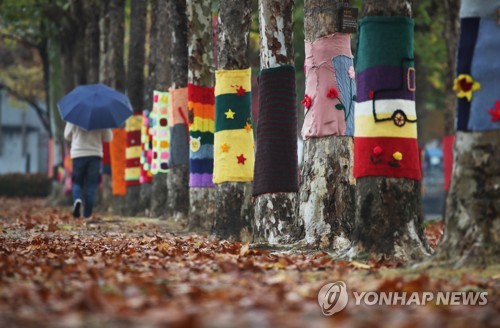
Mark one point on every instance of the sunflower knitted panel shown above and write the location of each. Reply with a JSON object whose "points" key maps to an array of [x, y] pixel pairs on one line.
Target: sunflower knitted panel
{"points": [[323, 116], [201, 103], [233, 140], [385, 139], [179, 127], [485, 69], [468, 36], [133, 153], [276, 154], [117, 148], [146, 149], [160, 132]]}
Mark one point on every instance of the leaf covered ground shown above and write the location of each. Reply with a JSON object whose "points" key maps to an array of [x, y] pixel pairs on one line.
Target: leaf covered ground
{"points": [[122, 272]]}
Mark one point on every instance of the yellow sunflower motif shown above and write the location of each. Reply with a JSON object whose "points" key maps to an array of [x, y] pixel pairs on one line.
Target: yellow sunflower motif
{"points": [[464, 86]]}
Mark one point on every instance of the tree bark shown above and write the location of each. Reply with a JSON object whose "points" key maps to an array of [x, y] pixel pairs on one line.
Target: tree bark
{"points": [[451, 30], [389, 218], [159, 191], [178, 176], [135, 84], [201, 73], [275, 213], [146, 188], [103, 77], [92, 42], [78, 36], [326, 194], [472, 235], [233, 207], [116, 68]]}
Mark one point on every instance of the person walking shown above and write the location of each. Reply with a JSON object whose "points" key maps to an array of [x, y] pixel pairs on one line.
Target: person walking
{"points": [[86, 153]]}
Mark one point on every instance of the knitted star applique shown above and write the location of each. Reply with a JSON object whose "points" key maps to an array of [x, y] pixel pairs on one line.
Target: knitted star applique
{"points": [[230, 114], [248, 127], [224, 148], [240, 91], [495, 112], [241, 159]]}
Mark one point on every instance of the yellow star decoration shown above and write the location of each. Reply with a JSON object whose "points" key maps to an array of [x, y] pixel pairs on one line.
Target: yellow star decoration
{"points": [[248, 127], [224, 148], [230, 114]]}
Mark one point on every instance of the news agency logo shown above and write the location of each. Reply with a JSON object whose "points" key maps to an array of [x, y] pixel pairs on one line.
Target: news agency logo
{"points": [[333, 298]]}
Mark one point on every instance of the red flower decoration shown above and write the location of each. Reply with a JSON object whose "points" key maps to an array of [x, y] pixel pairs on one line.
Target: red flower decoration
{"points": [[495, 112], [240, 91], [371, 94], [307, 101], [332, 93], [377, 150]]}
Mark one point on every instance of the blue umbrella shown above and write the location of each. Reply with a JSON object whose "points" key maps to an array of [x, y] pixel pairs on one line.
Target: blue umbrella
{"points": [[95, 107]]}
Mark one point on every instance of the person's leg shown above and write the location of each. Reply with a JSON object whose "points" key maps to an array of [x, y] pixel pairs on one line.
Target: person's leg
{"points": [[77, 181], [91, 184]]}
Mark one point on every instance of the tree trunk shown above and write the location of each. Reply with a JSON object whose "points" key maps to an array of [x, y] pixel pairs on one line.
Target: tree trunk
{"points": [[472, 235], [78, 35], [233, 207], [116, 69], [135, 91], [389, 218], [159, 191], [92, 42], [178, 175], [326, 193], [275, 212], [201, 73], [451, 30], [472, 219], [103, 76], [146, 187]]}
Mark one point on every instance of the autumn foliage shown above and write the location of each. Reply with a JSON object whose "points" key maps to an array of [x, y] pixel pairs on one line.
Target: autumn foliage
{"points": [[59, 272]]}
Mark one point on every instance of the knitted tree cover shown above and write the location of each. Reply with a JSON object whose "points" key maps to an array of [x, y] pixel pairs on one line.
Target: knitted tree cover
{"points": [[160, 132], [179, 127], [133, 152], [385, 139], [233, 141], [146, 149], [327, 111], [117, 149], [201, 105], [478, 67], [276, 154]]}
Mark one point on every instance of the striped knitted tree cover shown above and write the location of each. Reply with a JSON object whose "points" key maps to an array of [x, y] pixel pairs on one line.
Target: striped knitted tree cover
{"points": [[106, 158], [276, 168], [117, 148], [326, 111], [201, 101], [478, 67], [233, 141], [133, 152], [146, 149], [179, 127], [385, 139], [160, 132]]}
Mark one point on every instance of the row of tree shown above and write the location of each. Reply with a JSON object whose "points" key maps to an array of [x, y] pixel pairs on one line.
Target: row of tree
{"points": [[83, 42]]}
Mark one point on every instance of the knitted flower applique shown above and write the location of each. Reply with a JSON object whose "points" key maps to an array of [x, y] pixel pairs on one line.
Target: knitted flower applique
{"points": [[307, 101], [464, 86]]}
